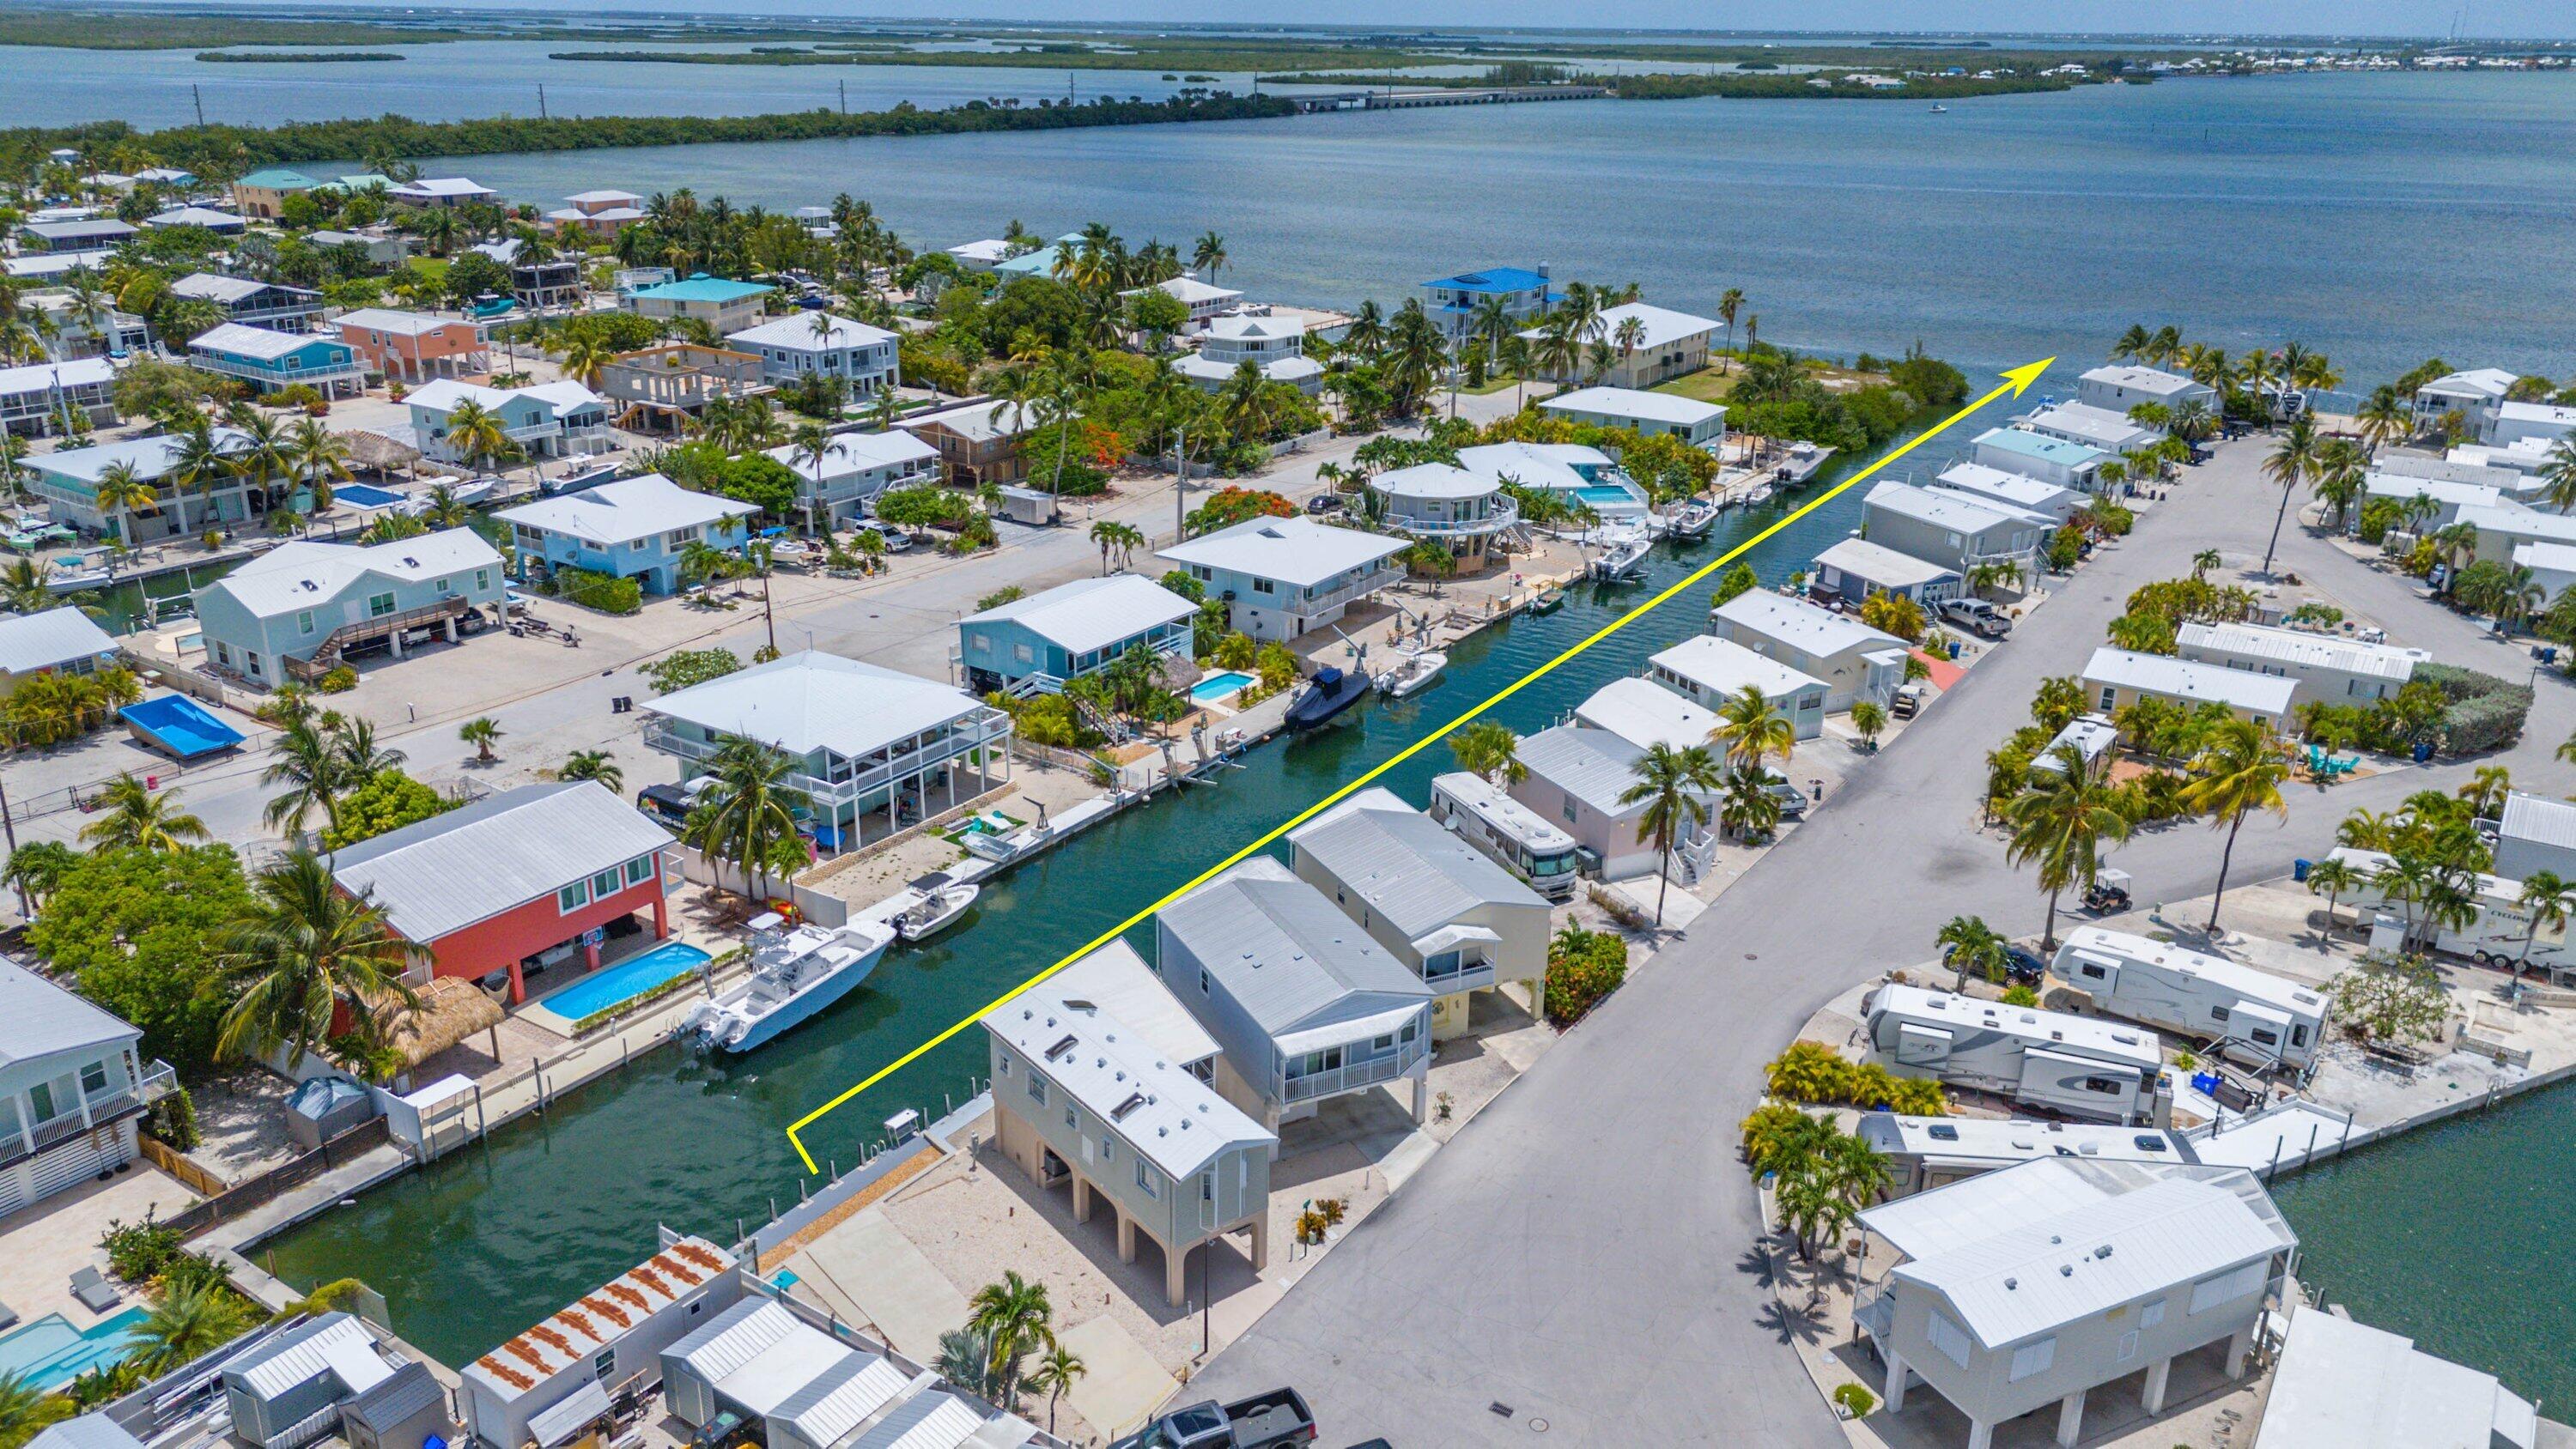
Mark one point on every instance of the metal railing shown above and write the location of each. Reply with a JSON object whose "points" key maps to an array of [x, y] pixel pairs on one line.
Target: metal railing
{"points": [[1502, 513], [1353, 1076], [1876, 1313], [105, 1109], [1366, 584], [984, 729]]}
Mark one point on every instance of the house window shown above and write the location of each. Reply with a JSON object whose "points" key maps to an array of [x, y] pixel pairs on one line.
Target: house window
{"points": [[638, 869], [2152, 1314], [93, 1079], [379, 605], [1379, 1044], [2103, 1085], [304, 621], [603, 885], [1072, 1118], [1149, 1180], [2109, 697], [1207, 1185], [1203, 981], [1037, 1089], [573, 897], [2033, 1358], [482, 580], [2227, 1288], [442, 587], [1108, 1150], [1264, 586], [604, 1366], [1003, 1068], [1949, 1338], [253, 661], [979, 643], [1024, 654], [224, 655], [1573, 811], [1411, 1030]]}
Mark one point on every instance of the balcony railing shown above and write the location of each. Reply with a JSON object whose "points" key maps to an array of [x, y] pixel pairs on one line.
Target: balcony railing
{"points": [[1466, 978], [1877, 1313], [1502, 513], [1366, 584], [1354, 1076], [986, 728], [105, 1108]]}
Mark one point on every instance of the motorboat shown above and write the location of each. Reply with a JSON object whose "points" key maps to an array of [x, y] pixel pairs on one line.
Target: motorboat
{"points": [[936, 901], [794, 975], [1758, 493], [1691, 520], [1623, 554], [1939, 109], [1414, 671], [1802, 463], [1325, 696], [1549, 600]]}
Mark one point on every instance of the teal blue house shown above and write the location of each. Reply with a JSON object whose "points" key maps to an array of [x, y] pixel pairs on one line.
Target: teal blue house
{"points": [[637, 528], [1039, 263], [272, 360], [1033, 645]]}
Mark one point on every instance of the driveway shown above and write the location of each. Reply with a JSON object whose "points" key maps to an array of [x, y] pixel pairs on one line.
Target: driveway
{"points": [[1582, 1255]]}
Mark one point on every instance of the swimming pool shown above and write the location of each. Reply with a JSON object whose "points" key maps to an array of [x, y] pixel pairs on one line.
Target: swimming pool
{"points": [[1601, 495], [1219, 686], [623, 982], [51, 1353], [364, 496]]}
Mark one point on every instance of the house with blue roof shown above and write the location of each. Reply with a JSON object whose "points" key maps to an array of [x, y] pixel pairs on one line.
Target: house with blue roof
{"points": [[1452, 301], [727, 306], [262, 192], [2034, 455], [1039, 263]]}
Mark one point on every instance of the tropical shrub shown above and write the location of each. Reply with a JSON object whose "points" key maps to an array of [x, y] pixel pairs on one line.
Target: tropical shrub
{"points": [[1777, 1134], [1582, 967], [2482, 712], [388, 801], [140, 932], [1232, 505], [2391, 998], [139, 1252], [2020, 996], [173, 1119], [607, 593], [337, 680], [1811, 1072], [1854, 1400], [678, 670]]}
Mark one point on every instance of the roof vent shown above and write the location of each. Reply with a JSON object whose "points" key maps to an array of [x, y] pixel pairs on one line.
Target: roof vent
{"points": [[2103, 1251], [2065, 1270], [2011, 1283]]}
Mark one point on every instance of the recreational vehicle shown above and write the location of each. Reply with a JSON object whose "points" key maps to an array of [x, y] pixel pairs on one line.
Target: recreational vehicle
{"points": [[1517, 837], [2252, 1016], [2496, 936], [2072, 1065]]}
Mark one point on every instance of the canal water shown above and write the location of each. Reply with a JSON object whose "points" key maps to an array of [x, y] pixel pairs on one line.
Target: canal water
{"points": [[481, 1243]]}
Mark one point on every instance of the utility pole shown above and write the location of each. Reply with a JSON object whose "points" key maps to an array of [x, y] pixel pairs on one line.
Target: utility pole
{"points": [[845, 97], [1180, 485], [541, 100], [9, 828], [199, 96]]}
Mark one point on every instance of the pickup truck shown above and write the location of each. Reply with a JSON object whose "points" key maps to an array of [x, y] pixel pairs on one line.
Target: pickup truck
{"points": [[1983, 618], [1264, 1421]]}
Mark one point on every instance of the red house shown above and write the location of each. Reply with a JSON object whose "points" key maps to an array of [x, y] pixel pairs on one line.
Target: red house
{"points": [[507, 879]]}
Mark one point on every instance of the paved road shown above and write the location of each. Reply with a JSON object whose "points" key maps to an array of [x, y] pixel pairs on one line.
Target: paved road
{"points": [[1581, 1253]]}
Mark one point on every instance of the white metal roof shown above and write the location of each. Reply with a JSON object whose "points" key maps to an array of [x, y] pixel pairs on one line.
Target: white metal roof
{"points": [[398, 323], [1089, 614], [772, 1373], [1726, 667], [981, 422], [839, 1399], [932, 1419], [2247, 982], [2539, 819], [211, 287], [1593, 765], [242, 341], [2454, 468], [205, 216], [45, 1019], [1999, 1142], [2161, 674], [2091, 1036], [2147, 1229], [849, 453], [2549, 414], [1187, 289], [93, 1430], [2098, 427], [2345, 1385], [150, 457], [1646, 714], [439, 875], [734, 1337], [2381, 483], [1814, 632], [1291, 368], [1663, 325], [1121, 1076], [1941, 508], [1629, 402], [2512, 520], [2153, 380], [586, 198], [441, 186], [813, 701], [30, 642], [1989, 486], [1406, 866], [630, 508], [335, 1343], [1881, 565], [1117, 980], [443, 395], [1289, 957], [1296, 551], [1434, 480], [2295, 646], [2089, 734], [1241, 328], [1535, 465], [797, 332], [2484, 383], [303, 574], [991, 249]]}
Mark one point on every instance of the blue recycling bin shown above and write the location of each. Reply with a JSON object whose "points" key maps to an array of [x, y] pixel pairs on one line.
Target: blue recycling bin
{"points": [[2423, 752], [1954, 648], [2299, 870]]}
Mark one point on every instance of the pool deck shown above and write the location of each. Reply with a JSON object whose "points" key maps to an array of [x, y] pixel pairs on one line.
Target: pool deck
{"points": [[43, 1244], [538, 1013]]}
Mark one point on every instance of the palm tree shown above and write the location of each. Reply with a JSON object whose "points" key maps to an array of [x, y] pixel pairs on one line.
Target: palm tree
{"points": [[1017, 1317], [305, 951], [303, 760], [584, 357], [1752, 728], [1730, 302], [482, 734], [2239, 771], [748, 812], [592, 765], [2333, 879], [811, 443], [2558, 472], [966, 1360], [137, 819], [26, 1411], [1671, 782], [2059, 823], [122, 493], [1969, 944], [1490, 750], [353, 749], [476, 435], [2549, 899], [2384, 418], [2290, 465], [1208, 255], [441, 508], [317, 455], [2203, 561], [192, 1321], [1056, 1373]]}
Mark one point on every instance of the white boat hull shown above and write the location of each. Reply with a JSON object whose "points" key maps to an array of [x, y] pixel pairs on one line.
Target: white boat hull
{"points": [[758, 1010], [1415, 674], [934, 914]]}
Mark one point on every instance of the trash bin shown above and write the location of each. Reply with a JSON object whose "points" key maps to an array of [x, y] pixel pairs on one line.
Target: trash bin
{"points": [[2299, 870], [1954, 648], [2423, 752]]}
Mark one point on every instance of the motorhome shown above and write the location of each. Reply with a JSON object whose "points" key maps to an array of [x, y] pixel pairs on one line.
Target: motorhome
{"points": [[2075, 1066], [2252, 1016], [2496, 936], [1517, 837]]}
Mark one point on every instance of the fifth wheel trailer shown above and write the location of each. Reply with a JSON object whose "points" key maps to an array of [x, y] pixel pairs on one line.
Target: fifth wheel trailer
{"points": [[2495, 936], [2073, 1065], [2254, 1016]]}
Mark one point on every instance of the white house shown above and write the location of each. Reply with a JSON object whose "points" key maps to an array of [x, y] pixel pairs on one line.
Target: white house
{"points": [[1854, 660], [1304, 1004], [2447, 497], [1274, 345], [549, 420], [2552, 565], [2036, 455], [2321, 666], [2004, 492], [2029, 1288], [1664, 344], [982, 256], [2517, 421], [1462, 923], [854, 469], [47, 397], [1650, 414], [1856, 568], [2536, 833], [1955, 530], [2503, 527], [1446, 504], [560, 1374], [2118, 388], [819, 344], [1572, 471], [2114, 679], [1204, 299], [1280, 577], [72, 1088], [51, 641], [1646, 714], [440, 191], [2474, 394], [2339, 1384], [2076, 422], [1710, 671]]}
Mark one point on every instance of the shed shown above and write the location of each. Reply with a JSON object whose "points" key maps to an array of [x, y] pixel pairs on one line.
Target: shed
{"points": [[288, 1394], [404, 1412], [325, 1107]]}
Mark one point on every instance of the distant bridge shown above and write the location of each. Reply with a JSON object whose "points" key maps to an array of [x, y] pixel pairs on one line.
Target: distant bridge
{"points": [[1393, 100]]}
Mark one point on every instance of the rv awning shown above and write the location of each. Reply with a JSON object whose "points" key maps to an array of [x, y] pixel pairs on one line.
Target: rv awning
{"points": [[560, 1422], [1450, 938], [2075, 1065], [1342, 1033], [2257, 1011]]}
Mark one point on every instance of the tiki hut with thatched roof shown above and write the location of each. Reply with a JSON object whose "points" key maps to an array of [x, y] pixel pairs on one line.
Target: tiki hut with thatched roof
{"points": [[451, 1009]]}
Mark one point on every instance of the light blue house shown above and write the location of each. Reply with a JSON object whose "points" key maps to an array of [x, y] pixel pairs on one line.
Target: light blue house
{"points": [[1453, 301], [1033, 645], [67, 481], [1280, 577], [272, 360], [638, 528], [72, 1087], [548, 420], [1039, 263], [291, 614], [2035, 455]]}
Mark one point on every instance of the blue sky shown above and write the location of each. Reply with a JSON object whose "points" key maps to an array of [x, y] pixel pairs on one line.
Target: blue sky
{"points": [[2550, 19]]}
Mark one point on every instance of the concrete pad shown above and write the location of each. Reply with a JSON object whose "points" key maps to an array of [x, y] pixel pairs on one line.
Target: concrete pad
{"points": [[44, 1243], [886, 1278], [1407, 1158], [1124, 1383]]}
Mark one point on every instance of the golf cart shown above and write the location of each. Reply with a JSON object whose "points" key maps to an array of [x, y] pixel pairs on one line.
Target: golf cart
{"points": [[2109, 893]]}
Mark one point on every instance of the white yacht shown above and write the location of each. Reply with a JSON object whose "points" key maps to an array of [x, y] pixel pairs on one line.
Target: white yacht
{"points": [[795, 974]]}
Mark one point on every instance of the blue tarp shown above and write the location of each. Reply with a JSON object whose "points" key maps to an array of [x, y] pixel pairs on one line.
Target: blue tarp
{"points": [[179, 727]]}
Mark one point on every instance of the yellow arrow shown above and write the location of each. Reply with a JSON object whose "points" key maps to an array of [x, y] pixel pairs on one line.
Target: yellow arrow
{"points": [[2015, 383]]}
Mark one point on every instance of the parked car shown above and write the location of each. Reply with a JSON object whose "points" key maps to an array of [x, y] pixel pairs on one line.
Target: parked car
{"points": [[1977, 616], [2022, 967], [1263, 1421], [1324, 503]]}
